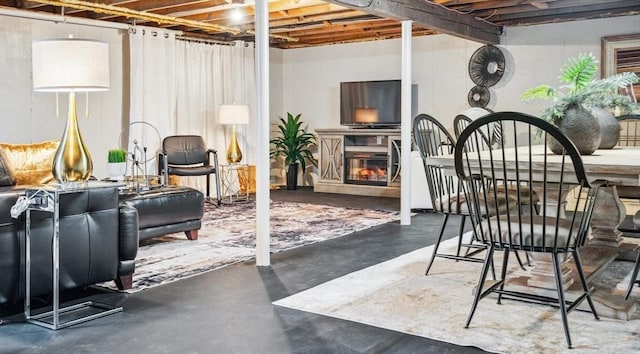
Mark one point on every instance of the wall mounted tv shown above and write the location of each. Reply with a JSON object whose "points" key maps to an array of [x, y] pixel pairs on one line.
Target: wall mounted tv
{"points": [[373, 104]]}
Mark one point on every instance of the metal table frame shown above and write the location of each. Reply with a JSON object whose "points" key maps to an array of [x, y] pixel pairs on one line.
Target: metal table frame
{"points": [[47, 199], [230, 180]]}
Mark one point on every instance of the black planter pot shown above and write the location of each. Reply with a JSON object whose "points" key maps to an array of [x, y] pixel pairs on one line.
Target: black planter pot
{"points": [[292, 176], [582, 128], [609, 128]]}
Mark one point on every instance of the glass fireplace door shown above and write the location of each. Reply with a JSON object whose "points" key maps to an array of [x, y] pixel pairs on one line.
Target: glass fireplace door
{"points": [[369, 168]]}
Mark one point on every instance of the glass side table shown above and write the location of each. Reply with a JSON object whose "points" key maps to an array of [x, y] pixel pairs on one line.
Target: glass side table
{"points": [[47, 199], [230, 177]]}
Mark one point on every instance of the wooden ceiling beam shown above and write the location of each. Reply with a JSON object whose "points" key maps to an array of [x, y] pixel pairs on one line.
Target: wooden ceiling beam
{"points": [[300, 31], [429, 14], [562, 10], [172, 8], [352, 38], [335, 16]]}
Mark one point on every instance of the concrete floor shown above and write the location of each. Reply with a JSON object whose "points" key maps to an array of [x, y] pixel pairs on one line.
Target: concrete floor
{"points": [[229, 310]]}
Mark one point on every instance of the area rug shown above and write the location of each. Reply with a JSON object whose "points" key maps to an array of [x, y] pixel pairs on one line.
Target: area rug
{"points": [[228, 236], [396, 295]]}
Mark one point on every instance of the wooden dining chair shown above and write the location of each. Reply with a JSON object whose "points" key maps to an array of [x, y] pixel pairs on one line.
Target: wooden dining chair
{"points": [[519, 227]]}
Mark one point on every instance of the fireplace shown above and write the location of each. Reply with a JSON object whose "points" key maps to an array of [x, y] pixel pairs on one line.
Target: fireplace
{"points": [[369, 168]]}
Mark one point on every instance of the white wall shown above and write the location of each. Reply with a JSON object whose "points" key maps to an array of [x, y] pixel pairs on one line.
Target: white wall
{"points": [[301, 80], [27, 116], [311, 76]]}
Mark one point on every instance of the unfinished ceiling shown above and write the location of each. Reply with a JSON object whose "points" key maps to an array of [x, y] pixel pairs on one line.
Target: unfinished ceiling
{"points": [[305, 23]]}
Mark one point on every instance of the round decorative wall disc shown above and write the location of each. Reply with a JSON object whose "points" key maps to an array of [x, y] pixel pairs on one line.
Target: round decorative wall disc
{"points": [[479, 96], [487, 66]]}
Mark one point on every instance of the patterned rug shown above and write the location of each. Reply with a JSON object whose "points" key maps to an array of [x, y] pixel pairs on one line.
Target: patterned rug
{"points": [[396, 295], [228, 236]]}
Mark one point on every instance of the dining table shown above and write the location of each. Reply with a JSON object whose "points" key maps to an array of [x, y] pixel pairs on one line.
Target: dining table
{"points": [[612, 168]]}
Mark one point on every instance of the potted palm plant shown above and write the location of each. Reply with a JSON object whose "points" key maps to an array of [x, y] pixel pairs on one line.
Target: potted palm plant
{"points": [[295, 144], [580, 106], [116, 164]]}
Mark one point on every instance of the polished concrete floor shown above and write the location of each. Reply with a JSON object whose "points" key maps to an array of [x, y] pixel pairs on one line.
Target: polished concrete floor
{"points": [[229, 310]]}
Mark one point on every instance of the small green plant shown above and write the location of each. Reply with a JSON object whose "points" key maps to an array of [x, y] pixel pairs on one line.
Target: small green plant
{"points": [[294, 142], [582, 89], [117, 155]]}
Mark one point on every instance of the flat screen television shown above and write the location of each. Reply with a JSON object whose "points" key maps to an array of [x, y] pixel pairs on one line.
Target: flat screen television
{"points": [[373, 104]]}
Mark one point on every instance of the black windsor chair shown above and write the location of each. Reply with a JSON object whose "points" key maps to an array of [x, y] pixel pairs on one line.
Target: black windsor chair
{"points": [[630, 136], [432, 139], [519, 227]]}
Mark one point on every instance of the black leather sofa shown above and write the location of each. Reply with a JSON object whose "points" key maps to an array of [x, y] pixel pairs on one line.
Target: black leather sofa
{"points": [[98, 242]]}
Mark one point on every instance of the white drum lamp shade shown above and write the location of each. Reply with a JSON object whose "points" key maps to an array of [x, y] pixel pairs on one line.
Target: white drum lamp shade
{"points": [[234, 114], [71, 65]]}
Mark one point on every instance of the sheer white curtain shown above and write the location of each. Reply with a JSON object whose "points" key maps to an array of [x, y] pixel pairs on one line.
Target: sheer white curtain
{"points": [[177, 87], [152, 92], [207, 76]]}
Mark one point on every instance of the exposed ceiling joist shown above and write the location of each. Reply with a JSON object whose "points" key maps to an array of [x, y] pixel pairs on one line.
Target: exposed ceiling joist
{"points": [[317, 22], [148, 16], [432, 15]]}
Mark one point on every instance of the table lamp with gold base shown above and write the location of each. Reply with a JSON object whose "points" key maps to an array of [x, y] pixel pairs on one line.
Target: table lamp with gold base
{"points": [[71, 65], [234, 114]]}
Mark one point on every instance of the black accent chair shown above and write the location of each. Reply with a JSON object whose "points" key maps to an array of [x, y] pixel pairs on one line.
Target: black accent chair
{"points": [[432, 139], [188, 155], [521, 228]]}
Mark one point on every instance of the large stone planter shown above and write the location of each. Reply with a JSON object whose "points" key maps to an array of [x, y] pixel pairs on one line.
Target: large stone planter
{"points": [[582, 128], [609, 128]]}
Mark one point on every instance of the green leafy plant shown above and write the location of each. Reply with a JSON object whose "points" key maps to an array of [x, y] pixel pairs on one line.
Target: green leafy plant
{"points": [[583, 89], [294, 142], [117, 155]]}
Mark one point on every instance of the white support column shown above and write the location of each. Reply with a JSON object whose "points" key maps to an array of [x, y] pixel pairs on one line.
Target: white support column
{"points": [[263, 234], [405, 129]]}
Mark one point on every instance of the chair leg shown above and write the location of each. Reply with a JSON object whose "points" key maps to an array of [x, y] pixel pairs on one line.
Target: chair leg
{"points": [[583, 280], [561, 302], [503, 275], [634, 275], [217, 167], [208, 196], [479, 289], [460, 232], [435, 246]]}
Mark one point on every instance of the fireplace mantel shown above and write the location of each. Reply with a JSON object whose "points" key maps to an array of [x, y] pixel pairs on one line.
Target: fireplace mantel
{"points": [[359, 161]]}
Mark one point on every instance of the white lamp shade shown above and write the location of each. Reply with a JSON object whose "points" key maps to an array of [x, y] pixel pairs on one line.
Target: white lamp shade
{"points": [[234, 114], [70, 64]]}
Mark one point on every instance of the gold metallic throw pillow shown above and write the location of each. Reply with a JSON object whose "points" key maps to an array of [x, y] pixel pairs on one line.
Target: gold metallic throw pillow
{"points": [[7, 174], [32, 162]]}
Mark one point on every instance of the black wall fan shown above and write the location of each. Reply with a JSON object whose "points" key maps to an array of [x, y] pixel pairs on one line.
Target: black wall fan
{"points": [[487, 66], [479, 96]]}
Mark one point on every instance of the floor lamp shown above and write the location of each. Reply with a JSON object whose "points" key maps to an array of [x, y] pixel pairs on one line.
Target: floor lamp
{"points": [[234, 114], [71, 65]]}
